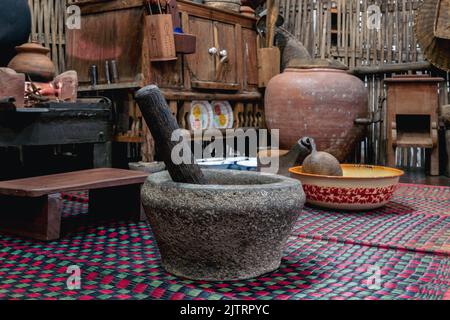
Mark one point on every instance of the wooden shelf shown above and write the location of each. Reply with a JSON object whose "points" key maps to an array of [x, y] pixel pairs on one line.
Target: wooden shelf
{"points": [[214, 85], [172, 94], [112, 86]]}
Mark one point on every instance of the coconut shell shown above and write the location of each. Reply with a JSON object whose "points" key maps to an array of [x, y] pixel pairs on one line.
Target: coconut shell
{"points": [[321, 163]]}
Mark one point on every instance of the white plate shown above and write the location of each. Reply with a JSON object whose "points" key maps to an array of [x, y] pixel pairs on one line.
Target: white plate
{"points": [[222, 115], [200, 115]]}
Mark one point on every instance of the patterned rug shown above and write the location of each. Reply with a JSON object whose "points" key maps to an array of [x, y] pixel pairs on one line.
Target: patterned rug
{"points": [[417, 218], [121, 261]]}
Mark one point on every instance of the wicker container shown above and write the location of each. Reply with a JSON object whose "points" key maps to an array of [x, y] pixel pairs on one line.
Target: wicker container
{"points": [[232, 5]]}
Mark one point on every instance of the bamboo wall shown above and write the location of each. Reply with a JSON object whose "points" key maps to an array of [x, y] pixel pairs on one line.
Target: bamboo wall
{"points": [[338, 29], [48, 28]]}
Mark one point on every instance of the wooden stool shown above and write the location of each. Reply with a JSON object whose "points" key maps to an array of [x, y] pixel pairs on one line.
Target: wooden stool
{"points": [[31, 207], [412, 116]]}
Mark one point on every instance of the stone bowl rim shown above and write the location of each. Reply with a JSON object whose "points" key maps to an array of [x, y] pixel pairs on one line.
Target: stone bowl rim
{"points": [[163, 178]]}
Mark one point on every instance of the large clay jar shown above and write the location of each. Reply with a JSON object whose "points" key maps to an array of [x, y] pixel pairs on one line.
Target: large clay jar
{"points": [[321, 103], [32, 59]]}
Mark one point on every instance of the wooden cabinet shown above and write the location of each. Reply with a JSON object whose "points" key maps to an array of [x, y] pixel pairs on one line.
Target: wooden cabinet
{"points": [[214, 64], [201, 64], [225, 57], [250, 57], [223, 66]]}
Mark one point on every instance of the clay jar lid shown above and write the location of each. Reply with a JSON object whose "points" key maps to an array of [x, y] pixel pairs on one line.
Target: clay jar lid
{"points": [[32, 47], [32, 59]]}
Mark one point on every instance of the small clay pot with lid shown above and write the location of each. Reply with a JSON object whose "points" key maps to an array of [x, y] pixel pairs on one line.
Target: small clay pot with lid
{"points": [[33, 60]]}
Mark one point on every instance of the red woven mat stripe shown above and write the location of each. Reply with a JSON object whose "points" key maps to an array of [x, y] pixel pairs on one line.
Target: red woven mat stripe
{"points": [[417, 219], [121, 261]]}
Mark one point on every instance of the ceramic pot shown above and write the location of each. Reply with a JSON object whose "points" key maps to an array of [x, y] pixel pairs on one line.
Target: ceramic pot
{"points": [[235, 227], [33, 60], [321, 103]]}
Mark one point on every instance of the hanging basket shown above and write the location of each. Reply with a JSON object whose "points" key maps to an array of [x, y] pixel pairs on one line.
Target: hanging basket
{"points": [[432, 29]]}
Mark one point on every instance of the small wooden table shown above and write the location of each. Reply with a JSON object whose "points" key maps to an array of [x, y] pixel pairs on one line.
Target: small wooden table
{"points": [[31, 207]]}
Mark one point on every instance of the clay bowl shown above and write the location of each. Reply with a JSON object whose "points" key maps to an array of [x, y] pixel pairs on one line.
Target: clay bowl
{"points": [[362, 187]]}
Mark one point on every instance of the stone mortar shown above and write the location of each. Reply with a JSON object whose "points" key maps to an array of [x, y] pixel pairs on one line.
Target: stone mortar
{"points": [[233, 228]]}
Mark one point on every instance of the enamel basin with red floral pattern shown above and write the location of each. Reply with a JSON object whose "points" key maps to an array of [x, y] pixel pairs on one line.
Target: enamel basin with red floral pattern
{"points": [[361, 187]]}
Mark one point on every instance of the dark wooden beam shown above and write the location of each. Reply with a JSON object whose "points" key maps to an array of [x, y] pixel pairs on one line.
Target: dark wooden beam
{"points": [[391, 68]]}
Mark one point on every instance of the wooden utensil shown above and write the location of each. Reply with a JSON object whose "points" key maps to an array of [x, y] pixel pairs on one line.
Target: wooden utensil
{"points": [[161, 124], [160, 38], [269, 61], [269, 58], [271, 20]]}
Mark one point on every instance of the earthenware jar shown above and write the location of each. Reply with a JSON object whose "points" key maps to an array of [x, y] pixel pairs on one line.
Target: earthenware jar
{"points": [[235, 227], [33, 60], [322, 103]]}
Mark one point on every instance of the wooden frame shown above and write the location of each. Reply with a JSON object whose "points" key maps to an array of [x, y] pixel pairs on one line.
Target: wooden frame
{"points": [[416, 96]]}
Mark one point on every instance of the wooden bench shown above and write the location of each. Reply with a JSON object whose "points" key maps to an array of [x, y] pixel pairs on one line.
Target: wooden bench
{"points": [[31, 207]]}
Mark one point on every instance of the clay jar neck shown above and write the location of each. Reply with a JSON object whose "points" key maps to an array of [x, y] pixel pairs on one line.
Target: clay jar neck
{"points": [[314, 69]]}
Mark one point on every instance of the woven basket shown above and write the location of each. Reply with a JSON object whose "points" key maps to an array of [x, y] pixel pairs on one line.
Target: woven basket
{"points": [[436, 49], [231, 5]]}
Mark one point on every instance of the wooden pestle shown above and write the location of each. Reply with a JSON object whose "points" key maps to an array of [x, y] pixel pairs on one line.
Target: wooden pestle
{"points": [[161, 124]]}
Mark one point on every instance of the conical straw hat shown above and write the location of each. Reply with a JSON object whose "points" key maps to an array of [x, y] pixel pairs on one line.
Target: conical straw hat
{"points": [[431, 28]]}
